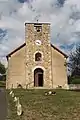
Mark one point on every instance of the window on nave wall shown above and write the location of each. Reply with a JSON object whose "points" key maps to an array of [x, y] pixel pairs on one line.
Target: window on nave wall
{"points": [[38, 56]]}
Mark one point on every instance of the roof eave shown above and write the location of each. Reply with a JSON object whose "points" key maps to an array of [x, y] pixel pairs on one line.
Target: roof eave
{"points": [[15, 50], [66, 56]]}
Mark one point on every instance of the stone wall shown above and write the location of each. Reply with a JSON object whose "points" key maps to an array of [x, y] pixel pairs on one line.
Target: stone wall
{"points": [[74, 86], [44, 48]]}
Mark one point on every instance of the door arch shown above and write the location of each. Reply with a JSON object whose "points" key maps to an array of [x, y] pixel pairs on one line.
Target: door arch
{"points": [[38, 77]]}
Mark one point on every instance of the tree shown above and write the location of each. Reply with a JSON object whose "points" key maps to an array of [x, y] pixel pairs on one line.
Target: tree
{"points": [[2, 72], [74, 66], [74, 62]]}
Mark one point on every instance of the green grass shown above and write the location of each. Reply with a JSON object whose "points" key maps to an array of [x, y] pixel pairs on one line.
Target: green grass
{"points": [[74, 80], [65, 105], [2, 83]]}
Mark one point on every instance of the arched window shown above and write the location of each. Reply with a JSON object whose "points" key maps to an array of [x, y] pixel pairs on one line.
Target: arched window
{"points": [[38, 57]]}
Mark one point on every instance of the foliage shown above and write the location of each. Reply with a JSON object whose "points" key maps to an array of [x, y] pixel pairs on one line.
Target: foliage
{"points": [[2, 68], [74, 62], [73, 80], [2, 83], [2, 72]]}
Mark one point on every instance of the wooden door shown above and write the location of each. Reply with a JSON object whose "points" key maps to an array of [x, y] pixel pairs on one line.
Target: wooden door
{"points": [[38, 77]]}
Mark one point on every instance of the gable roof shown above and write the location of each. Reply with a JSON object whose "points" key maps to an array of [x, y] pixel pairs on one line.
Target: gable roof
{"points": [[25, 44], [66, 56], [18, 48]]}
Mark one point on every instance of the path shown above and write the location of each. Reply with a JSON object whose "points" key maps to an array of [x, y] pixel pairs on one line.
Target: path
{"points": [[3, 104]]}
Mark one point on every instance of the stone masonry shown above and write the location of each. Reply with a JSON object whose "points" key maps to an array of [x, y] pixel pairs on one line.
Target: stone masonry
{"points": [[31, 35]]}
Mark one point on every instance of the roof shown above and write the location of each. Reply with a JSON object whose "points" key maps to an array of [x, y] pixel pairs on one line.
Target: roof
{"points": [[59, 51], [25, 44], [15, 50]]}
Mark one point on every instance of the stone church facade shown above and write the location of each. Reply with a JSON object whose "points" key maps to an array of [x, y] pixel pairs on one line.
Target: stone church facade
{"points": [[37, 63]]}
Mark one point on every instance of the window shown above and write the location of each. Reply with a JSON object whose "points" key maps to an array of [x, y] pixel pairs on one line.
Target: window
{"points": [[38, 27], [38, 57]]}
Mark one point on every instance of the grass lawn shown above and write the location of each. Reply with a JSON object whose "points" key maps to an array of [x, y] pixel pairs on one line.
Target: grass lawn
{"points": [[65, 105], [2, 83]]}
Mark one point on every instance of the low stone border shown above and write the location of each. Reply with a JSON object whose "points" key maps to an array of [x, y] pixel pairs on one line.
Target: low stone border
{"points": [[17, 103]]}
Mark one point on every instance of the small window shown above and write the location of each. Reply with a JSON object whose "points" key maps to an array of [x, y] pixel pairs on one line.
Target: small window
{"points": [[38, 27], [38, 57]]}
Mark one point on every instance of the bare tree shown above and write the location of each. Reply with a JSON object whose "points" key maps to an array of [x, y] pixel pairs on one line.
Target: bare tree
{"points": [[74, 62]]}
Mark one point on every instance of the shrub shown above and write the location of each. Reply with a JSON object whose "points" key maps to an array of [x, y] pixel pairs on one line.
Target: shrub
{"points": [[73, 80]]}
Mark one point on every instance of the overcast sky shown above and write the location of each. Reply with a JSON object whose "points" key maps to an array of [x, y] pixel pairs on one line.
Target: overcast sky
{"points": [[64, 16]]}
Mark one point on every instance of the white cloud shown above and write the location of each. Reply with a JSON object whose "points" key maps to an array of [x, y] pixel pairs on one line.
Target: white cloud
{"points": [[65, 21]]}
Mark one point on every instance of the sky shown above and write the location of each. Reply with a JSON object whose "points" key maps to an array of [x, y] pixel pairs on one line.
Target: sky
{"points": [[64, 16]]}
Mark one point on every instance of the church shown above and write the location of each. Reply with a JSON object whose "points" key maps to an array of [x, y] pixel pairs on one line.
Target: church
{"points": [[37, 64]]}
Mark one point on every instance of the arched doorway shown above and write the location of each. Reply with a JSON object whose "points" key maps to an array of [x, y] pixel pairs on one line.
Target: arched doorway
{"points": [[38, 77]]}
